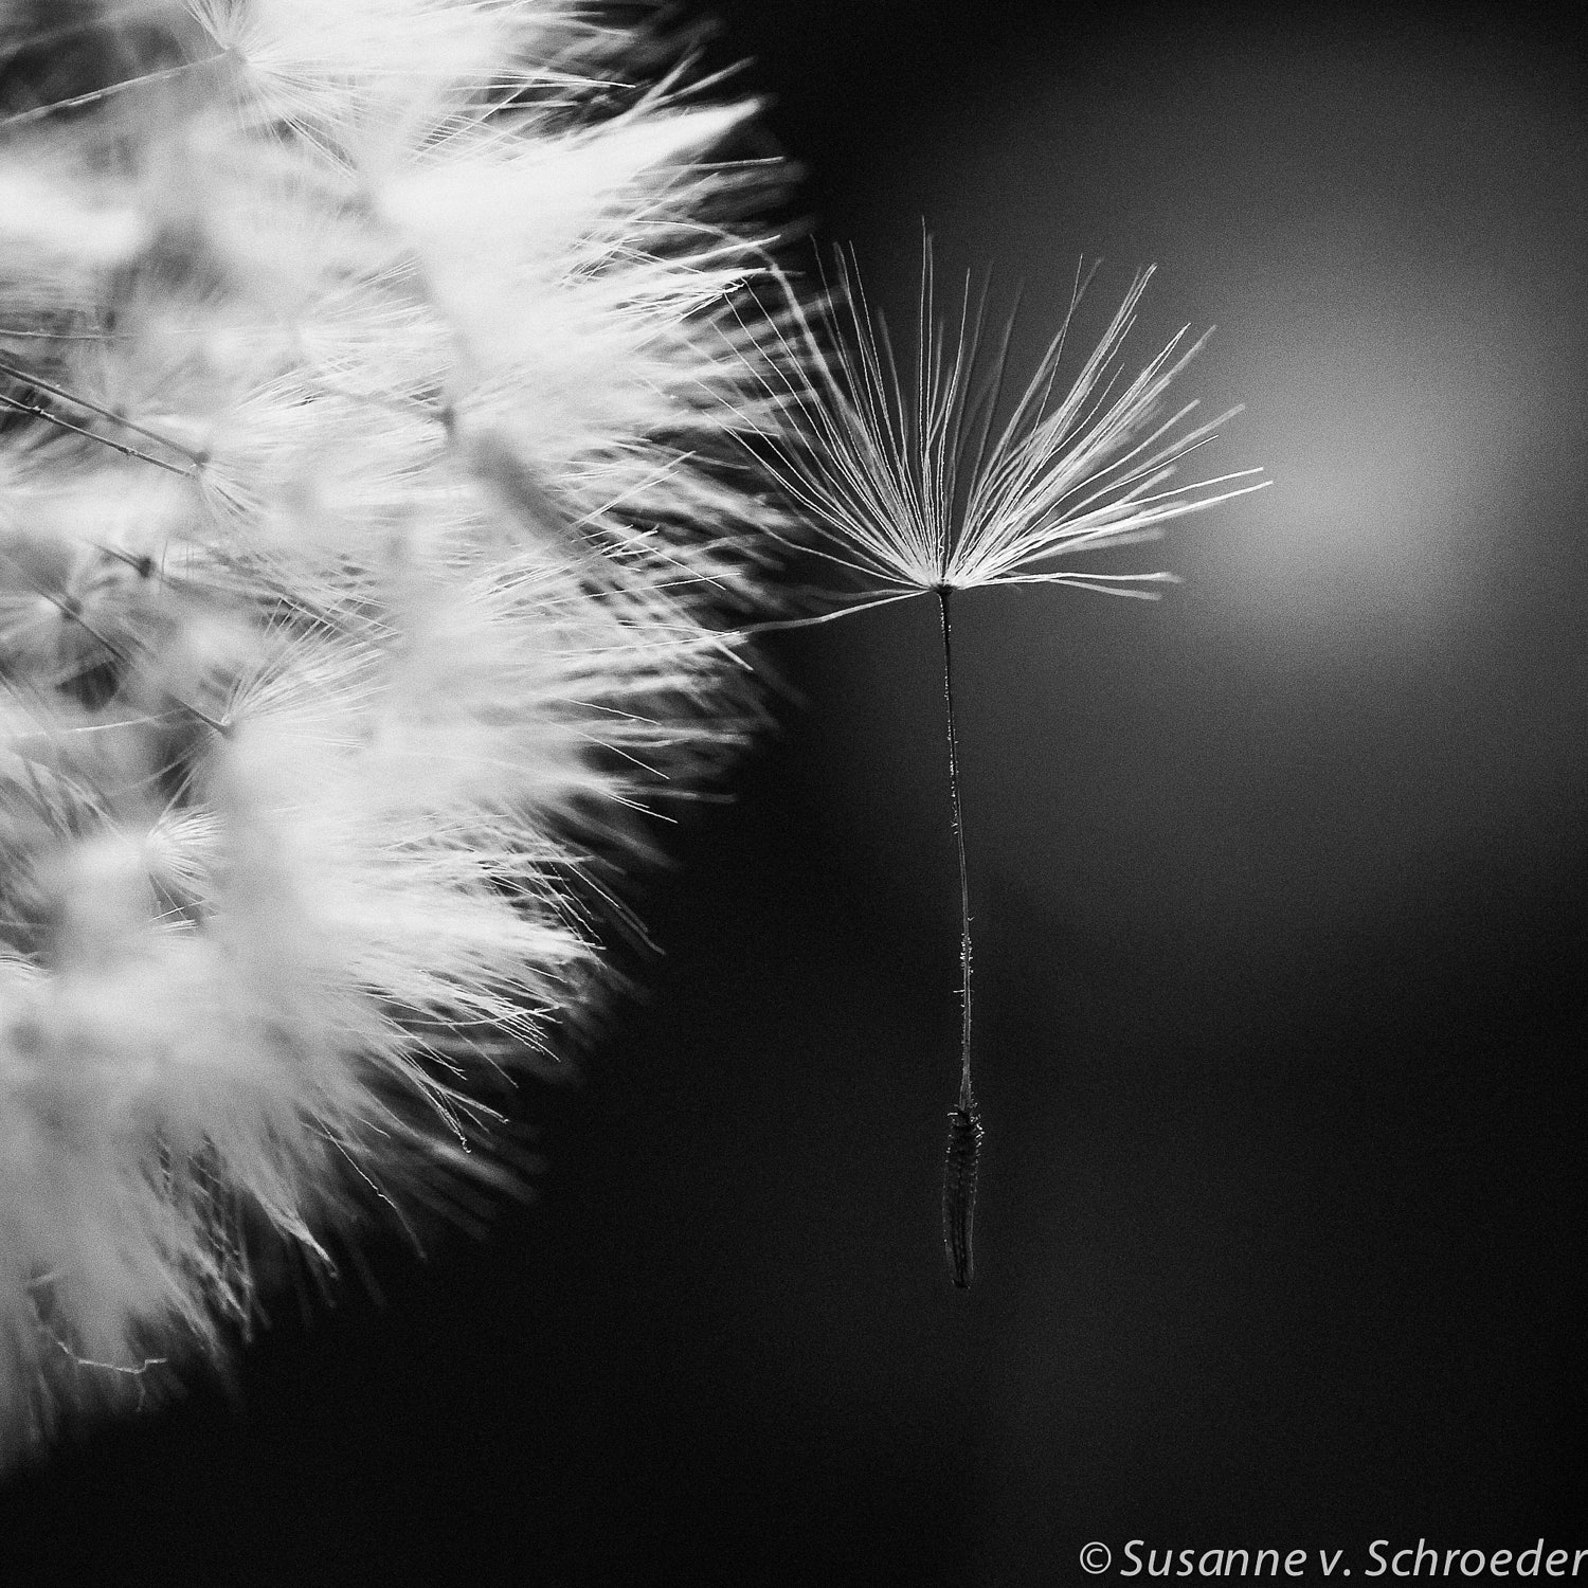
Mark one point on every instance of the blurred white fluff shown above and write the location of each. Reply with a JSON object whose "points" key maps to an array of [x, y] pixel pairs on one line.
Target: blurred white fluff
{"points": [[368, 515]]}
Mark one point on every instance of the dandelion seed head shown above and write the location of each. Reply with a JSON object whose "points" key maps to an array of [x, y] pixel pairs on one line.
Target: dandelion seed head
{"points": [[366, 541]]}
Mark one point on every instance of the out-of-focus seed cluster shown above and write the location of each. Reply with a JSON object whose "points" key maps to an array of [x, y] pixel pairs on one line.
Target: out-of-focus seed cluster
{"points": [[372, 382]]}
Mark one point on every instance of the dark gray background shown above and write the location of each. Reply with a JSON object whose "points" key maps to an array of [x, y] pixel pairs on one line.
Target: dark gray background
{"points": [[1280, 894]]}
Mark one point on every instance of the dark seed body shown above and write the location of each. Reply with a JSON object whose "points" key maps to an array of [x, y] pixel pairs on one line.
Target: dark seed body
{"points": [[959, 1192]]}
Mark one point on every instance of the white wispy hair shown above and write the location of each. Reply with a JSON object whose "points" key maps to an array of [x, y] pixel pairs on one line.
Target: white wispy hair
{"points": [[370, 516], [916, 479]]}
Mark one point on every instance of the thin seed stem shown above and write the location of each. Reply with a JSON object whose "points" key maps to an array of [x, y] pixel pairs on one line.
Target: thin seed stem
{"points": [[70, 611], [965, 1099], [95, 95], [55, 419], [28, 377]]}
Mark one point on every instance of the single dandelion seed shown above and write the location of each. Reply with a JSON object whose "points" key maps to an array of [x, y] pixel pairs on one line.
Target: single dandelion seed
{"points": [[926, 479]]}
